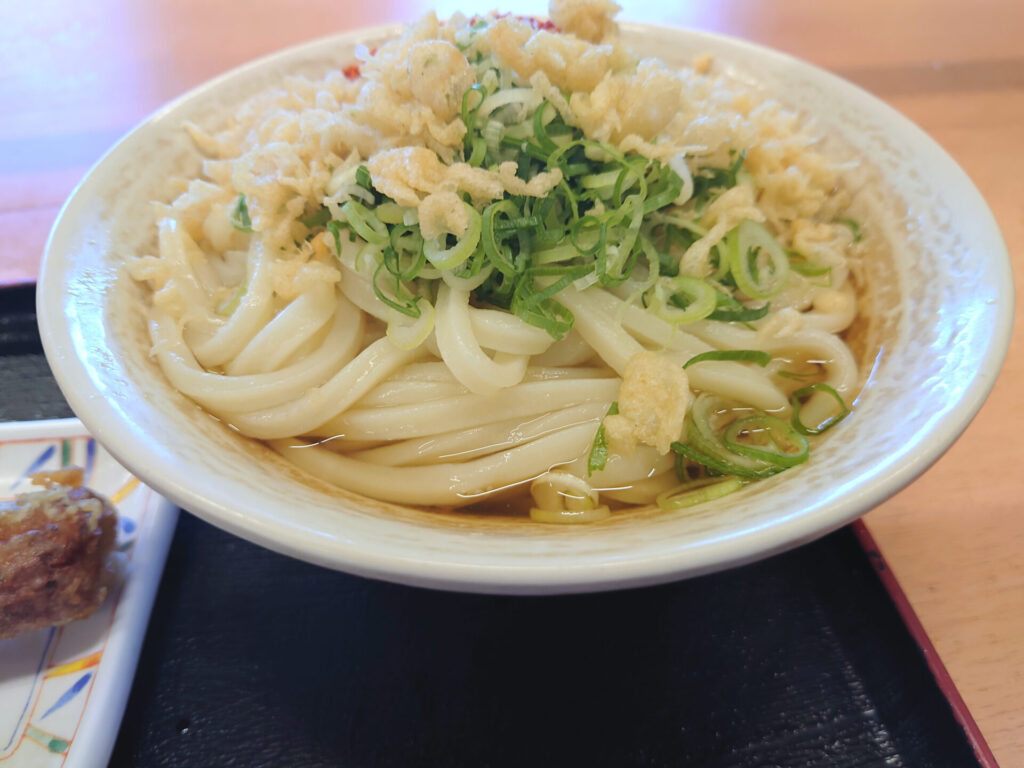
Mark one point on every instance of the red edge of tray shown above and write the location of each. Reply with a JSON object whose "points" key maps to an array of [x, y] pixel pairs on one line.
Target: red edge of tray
{"points": [[931, 656]]}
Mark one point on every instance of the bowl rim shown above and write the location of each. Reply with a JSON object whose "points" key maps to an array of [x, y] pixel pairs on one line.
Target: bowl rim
{"points": [[870, 489]]}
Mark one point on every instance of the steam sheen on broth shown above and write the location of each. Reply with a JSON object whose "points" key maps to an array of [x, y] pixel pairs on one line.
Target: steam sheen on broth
{"points": [[507, 258]]}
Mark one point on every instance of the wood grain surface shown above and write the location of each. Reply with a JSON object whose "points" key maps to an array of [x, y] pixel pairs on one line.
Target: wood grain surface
{"points": [[75, 76]]}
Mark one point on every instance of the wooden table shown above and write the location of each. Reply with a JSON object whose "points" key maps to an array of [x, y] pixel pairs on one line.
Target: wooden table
{"points": [[75, 76]]}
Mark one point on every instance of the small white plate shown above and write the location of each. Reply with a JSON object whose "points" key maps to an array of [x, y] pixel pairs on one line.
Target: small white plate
{"points": [[63, 690]]}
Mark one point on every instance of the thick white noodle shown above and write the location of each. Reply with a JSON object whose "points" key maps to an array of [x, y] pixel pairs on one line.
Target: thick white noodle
{"points": [[462, 353], [832, 311], [252, 313], [465, 411], [316, 406], [289, 330], [406, 392], [219, 393], [810, 345], [643, 491], [482, 440], [621, 471], [427, 370], [359, 291], [558, 491], [601, 331], [549, 373], [569, 350], [442, 484], [504, 332], [179, 251], [598, 316], [180, 254]]}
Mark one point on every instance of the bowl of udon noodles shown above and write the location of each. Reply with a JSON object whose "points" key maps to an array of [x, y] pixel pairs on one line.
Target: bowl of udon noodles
{"points": [[513, 305]]}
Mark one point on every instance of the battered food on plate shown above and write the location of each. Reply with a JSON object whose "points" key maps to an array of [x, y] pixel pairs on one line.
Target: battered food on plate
{"points": [[54, 551]]}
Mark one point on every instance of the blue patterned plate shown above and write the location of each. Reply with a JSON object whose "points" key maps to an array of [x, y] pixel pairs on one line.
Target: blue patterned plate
{"points": [[63, 689]]}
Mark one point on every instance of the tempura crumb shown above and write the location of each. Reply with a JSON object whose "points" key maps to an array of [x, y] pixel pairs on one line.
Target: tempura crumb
{"points": [[590, 20], [653, 400]]}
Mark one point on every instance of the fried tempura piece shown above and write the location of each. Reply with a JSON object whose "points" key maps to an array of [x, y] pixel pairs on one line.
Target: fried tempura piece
{"points": [[54, 547]]}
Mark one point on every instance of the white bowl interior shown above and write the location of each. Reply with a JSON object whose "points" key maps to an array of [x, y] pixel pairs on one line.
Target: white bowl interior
{"points": [[943, 335]]}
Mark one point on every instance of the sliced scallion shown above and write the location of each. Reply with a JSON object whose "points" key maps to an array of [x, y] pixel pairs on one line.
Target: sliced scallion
{"points": [[697, 302], [365, 223], [804, 266], [449, 258], [240, 215], [698, 492], [854, 227], [767, 438], [598, 457], [227, 307], [796, 399], [737, 355], [757, 262], [316, 219]]}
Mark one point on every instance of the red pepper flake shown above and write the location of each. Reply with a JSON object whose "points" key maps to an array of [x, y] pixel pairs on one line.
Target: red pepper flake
{"points": [[547, 25], [351, 71]]}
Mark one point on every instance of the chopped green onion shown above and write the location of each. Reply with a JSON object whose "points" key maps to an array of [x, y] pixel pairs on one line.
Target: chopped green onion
{"points": [[663, 299], [334, 227], [739, 355], [408, 307], [469, 112], [804, 266], [854, 228], [363, 178], [698, 492], [705, 446], [414, 253], [730, 310], [667, 191], [365, 223], [227, 307], [409, 335], [746, 244], [777, 442], [537, 307], [492, 133], [584, 227], [540, 132], [797, 376], [391, 213], [316, 219], [523, 222], [719, 465], [240, 216], [707, 180], [598, 457], [500, 255], [796, 399], [478, 152], [449, 258]]}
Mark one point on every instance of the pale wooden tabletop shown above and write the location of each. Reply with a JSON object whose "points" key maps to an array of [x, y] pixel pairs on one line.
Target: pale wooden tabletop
{"points": [[75, 76]]}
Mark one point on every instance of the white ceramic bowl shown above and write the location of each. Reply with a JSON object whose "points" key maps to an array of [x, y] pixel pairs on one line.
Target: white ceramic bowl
{"points": [[943, 341]]}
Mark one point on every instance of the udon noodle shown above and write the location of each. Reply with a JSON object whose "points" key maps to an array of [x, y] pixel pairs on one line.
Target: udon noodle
{"points": [[501, 256]]}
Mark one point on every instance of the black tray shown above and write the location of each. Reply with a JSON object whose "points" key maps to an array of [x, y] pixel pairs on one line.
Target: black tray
{"points": [[256, 659]]}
